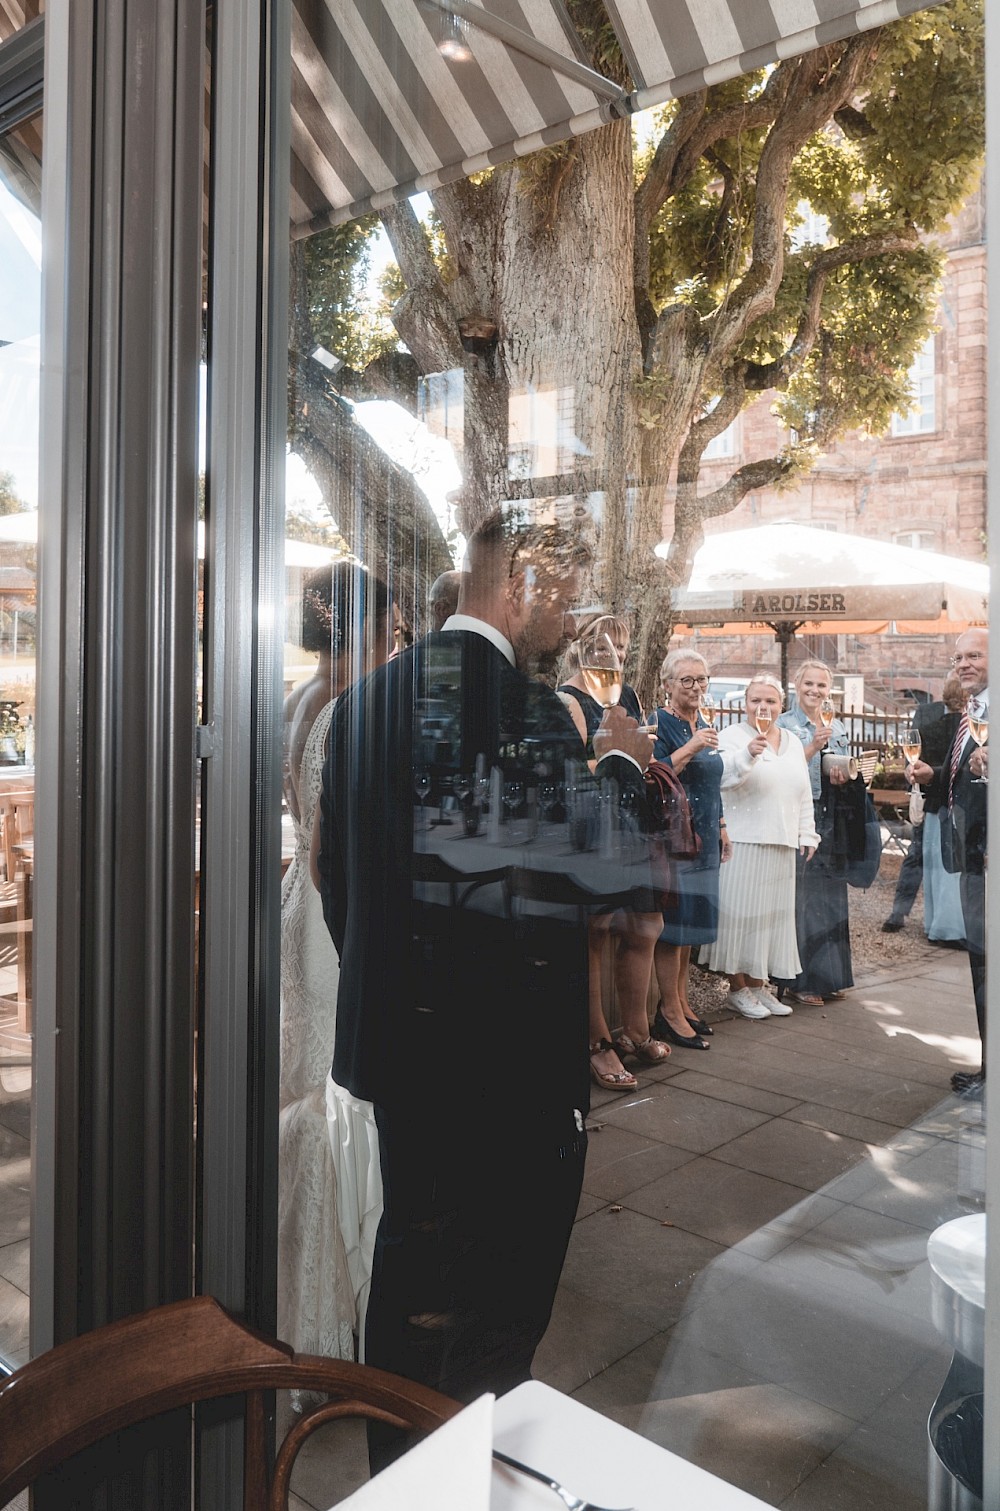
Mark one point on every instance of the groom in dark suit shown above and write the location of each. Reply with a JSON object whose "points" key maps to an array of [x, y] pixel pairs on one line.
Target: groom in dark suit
{"points": [[962, 799], [461, 1017]]}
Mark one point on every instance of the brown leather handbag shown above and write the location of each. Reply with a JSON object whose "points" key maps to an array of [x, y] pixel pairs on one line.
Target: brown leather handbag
{"points": [[671, 812]]}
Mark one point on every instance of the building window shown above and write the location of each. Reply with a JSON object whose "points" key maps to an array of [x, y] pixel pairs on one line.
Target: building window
{"points": [[813, 229], [918, 540], [723, 444], [922, 418]]}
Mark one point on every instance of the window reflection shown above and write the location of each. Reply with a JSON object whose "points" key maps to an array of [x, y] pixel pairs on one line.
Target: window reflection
{"points": [[20, 294], [750, 1240]]}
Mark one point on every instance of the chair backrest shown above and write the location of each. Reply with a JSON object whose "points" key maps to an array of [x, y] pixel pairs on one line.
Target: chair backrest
{"points": [[867, 761], [80, 1392], [17, 823]]}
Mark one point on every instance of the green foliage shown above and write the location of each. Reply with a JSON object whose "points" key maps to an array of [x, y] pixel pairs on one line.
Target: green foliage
{"points": [[10, 501], [341, 315], [907, 155]]}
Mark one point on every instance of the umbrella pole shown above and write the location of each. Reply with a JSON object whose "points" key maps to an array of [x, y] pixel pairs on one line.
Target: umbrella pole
{"points": [[784, 631]]}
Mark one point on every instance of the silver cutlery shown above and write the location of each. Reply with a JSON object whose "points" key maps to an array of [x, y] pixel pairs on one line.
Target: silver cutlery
{"points": [[571, 1501]]}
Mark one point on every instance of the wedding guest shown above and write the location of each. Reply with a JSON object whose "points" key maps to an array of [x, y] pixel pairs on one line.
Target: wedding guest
{"points": [[960, 786], [822, 927], [769, 813], [691, 746], [632, 935]]}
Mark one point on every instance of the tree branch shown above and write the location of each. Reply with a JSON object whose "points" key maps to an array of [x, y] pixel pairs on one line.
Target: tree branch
{"points": [[824, 81], [763, 375], [762, 474]]}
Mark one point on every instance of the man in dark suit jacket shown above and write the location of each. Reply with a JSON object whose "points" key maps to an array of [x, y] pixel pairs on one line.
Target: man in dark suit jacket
{"points": [[962, 801], [462, 1019]]}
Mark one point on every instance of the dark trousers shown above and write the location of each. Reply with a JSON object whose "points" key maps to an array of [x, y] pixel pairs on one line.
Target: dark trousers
{"points": [[910, 875], [478, 1214], [973, 891]]}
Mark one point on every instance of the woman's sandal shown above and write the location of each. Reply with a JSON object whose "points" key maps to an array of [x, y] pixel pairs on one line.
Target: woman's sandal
{"points": [[614, 1080], [649, 1049], [806, 999]]}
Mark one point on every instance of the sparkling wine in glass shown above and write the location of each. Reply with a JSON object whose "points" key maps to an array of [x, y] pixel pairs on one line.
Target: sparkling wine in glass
{"points": [[826, 712], [707, 709], [979, 729], [601, 669], [911, 745], [762, 721]]}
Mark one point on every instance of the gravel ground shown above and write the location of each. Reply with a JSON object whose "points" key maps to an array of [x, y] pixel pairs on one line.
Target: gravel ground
{"points": [[870, 948]]}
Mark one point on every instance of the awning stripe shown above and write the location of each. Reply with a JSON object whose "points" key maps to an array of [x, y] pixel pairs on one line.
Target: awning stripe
{"points": [[382, 115]]}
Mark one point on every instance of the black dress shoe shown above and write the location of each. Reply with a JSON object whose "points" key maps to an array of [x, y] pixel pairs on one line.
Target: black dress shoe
{"points": [[665, 1031], [892, 925], [701, 1027], [966, 1083]]}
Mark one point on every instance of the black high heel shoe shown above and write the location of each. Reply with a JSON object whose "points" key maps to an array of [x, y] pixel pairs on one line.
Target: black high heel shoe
{"points": [[664, 1030]]}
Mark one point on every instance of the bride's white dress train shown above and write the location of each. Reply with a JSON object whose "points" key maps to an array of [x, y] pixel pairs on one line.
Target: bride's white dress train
{"points": [[329, 1183]]}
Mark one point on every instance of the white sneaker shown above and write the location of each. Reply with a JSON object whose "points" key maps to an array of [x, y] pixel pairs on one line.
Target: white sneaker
{"points": [[775, 1008], [747, 1002]]}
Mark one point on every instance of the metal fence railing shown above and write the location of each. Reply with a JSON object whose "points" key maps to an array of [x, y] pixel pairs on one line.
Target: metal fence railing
{"points": [[869, 731]]}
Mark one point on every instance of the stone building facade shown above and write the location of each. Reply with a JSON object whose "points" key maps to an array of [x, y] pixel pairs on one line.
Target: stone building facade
{"points": [[922, 484]]}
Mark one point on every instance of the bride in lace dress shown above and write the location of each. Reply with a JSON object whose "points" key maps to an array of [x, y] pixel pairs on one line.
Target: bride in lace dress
{"points": [[329, 1184]]}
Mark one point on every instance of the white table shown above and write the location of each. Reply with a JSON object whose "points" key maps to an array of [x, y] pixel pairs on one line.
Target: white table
{"points": [[596, 1458]]}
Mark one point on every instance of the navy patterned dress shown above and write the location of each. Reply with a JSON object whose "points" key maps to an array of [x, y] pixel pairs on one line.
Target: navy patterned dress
{"points": [[696, 919]]}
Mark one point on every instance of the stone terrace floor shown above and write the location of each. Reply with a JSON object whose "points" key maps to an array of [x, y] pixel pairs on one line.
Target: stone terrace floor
{"points": [[747, 1282]]}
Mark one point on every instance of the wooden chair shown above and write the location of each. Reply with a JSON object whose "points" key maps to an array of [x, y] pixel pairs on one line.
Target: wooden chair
{"points": [[131, 1370], [17, 824]]}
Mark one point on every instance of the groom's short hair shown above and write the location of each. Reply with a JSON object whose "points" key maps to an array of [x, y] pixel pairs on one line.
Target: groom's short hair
{"points": [[506, 541]]}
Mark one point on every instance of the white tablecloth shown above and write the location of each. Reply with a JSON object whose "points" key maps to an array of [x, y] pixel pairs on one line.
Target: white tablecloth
{"points": [[596, 1458]]}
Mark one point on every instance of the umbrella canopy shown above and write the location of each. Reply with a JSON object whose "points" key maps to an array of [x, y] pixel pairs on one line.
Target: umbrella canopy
{"points": [[22, 529], [827, 581]]}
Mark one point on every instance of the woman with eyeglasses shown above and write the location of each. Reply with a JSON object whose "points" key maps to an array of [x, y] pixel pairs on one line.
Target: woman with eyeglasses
{"points": [[691, 746]]}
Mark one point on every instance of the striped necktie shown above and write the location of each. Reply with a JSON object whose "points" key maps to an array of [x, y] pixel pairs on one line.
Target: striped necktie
{"points": [[956, 754]]}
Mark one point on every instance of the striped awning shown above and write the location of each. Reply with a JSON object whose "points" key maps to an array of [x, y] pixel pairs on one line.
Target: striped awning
{"points": [[380, 112]]}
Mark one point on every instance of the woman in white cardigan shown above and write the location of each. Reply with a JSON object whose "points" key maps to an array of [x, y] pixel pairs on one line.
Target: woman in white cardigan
{"points": [[768, 804]]}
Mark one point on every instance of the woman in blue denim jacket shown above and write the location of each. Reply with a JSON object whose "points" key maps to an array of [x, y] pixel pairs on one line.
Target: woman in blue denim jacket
{"points": [[821, 908]]}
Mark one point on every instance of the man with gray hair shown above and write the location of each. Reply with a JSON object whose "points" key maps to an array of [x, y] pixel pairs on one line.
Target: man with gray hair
{"points": [[442, 601]]}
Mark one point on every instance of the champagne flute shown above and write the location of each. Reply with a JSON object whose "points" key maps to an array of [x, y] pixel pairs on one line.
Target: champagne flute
{"points": [[911, 744], [762, 721], [826, 712], [707, 709], [601, 669], [979, 729]]}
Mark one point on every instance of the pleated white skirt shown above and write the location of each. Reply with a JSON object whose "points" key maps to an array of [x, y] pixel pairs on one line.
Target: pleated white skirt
{"points": [[756, 914]]}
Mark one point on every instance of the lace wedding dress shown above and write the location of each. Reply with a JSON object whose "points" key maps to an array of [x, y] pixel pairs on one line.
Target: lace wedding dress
{"points": [[329, 1184]]}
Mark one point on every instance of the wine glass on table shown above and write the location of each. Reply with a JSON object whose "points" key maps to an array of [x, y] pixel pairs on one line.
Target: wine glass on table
{"points": [[601, 669], [979, 729], [422, 787]]}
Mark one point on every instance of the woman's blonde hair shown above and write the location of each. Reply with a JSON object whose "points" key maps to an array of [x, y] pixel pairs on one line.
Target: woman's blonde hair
{"points": [[808, 666], [586, 626], [769, 681]]}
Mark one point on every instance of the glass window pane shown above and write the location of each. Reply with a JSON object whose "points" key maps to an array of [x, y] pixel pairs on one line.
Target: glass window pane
{"points": [[478, 385], [20, 340]]}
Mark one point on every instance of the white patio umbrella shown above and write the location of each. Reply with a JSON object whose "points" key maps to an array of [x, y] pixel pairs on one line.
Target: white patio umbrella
{"points": [[23, 529], [788, 577]]}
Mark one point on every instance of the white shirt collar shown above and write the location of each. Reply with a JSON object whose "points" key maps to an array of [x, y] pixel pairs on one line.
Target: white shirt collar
{"points": [[480, 627]]}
